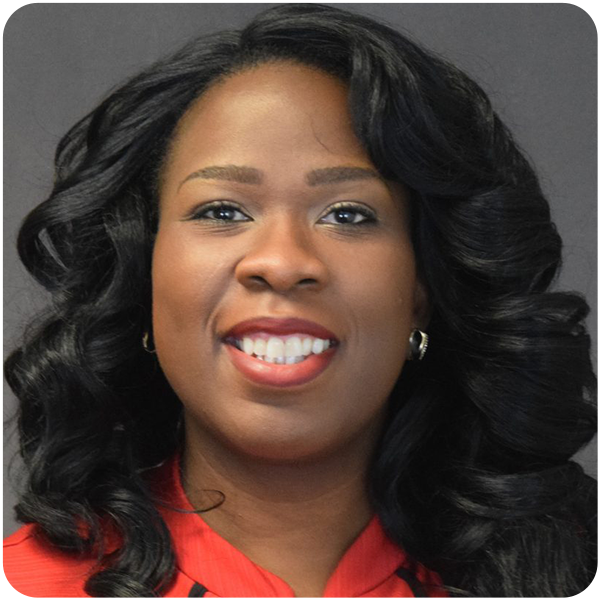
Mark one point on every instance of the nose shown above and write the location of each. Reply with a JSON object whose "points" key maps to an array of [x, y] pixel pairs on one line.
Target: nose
{"points": [[282, 258]]}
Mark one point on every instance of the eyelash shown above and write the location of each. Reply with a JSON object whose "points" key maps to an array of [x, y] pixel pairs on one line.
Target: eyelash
{"points": [[369, 216]]}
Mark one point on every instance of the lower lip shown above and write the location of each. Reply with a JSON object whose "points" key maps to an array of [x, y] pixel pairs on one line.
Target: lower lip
{"points": [[265, 373]]}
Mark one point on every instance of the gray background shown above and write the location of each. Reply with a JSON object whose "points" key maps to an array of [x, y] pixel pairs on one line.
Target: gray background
{"points": [[537, 62]]}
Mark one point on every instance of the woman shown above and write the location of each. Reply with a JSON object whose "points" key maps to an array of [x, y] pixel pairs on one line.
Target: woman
{"points": [[250, 246]]}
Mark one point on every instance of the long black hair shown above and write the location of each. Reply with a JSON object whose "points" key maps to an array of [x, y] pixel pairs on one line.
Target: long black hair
{"points": [[472, 475]]}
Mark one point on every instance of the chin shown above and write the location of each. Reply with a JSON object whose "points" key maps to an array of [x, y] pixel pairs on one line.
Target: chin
{"points": [[277, 442]]}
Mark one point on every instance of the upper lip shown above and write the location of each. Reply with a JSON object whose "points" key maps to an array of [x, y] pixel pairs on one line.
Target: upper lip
{"points": [[278, 326]]}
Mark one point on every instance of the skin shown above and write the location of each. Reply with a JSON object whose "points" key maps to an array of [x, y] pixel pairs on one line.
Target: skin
{"points": [[291, 461]]}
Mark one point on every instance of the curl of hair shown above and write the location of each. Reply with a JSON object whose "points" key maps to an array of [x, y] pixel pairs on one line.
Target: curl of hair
{"points": [[473, 475]]}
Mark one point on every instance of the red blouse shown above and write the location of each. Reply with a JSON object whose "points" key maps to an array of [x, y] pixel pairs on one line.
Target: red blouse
{"points": [[208, 565]]}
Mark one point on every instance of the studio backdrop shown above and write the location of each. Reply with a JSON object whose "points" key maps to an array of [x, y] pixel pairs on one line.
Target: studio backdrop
{"points": [[537, 62]]}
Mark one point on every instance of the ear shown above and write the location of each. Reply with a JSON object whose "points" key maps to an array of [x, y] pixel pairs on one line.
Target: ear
{"points": [[421, 306]]}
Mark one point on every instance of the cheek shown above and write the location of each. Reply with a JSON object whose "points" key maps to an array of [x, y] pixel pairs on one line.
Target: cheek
{"points": [[384, 292], [383, 307], [187, 283]]}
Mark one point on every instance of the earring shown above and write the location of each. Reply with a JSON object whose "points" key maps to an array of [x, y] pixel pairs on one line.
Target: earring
{"points": [[146, 343], [418, 343]]}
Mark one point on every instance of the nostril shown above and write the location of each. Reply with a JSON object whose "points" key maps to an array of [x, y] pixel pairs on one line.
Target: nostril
{"points": [[263, 282], [258, 279]]}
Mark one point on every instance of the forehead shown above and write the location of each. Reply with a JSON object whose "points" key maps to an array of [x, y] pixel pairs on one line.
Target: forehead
{"points": [[281, 111]]}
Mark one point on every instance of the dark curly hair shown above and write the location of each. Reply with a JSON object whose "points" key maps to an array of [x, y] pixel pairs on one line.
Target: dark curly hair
{"points": [[472, 475]]}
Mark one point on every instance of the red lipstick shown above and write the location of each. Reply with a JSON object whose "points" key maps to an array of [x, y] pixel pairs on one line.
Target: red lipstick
{"points": [[265, 373], [279, 375], [279, 327]]}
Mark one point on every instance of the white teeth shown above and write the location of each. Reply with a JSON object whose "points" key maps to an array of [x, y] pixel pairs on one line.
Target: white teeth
{"points": [[292, 360], [248, 345], [293, 347], [279, 360], [282, 360], [290, 351], [275, 348], [260, 347], [307, 346]]}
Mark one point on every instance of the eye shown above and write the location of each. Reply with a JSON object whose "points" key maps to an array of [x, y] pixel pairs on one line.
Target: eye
{"points": [[349, 214], [221, 211]]}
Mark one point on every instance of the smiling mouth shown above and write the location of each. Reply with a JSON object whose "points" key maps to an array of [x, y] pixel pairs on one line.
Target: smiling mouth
{"points": [[280, 371], [281, 350]]}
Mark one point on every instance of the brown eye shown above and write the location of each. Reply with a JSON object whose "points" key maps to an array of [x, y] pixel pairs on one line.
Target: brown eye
{"points": [[349, 215], [227, 213]]}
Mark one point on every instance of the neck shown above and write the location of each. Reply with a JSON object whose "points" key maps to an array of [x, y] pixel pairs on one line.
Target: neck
{"points": [[295, 519]]}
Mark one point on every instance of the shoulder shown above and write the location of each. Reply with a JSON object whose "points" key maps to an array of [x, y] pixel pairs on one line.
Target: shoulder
{"points": [[34, 567]]}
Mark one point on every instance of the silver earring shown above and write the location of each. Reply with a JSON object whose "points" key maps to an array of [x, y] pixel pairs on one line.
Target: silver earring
{"points": [[418, 343], [146, 343]]}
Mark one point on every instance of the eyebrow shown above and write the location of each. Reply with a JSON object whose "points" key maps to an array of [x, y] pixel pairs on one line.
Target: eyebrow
{"points": [[250, 175]]}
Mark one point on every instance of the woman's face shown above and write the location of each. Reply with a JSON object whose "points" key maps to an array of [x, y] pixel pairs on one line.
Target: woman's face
{"points": [[274, 225]]}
